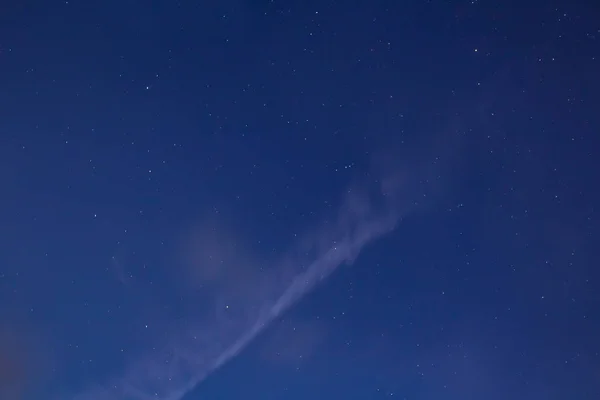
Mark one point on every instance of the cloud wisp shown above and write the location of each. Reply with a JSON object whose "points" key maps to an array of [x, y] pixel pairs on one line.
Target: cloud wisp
{"points": [[262, 294]]}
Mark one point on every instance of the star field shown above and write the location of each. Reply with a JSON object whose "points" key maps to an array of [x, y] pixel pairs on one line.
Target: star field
{"points": [[299, 199]]}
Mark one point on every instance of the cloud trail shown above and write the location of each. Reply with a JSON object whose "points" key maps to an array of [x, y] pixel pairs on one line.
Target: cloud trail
{"points": [[202, 346]]}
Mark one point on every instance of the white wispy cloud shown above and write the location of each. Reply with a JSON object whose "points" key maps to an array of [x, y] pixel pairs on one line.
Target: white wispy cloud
{"points": [[367, 212]]}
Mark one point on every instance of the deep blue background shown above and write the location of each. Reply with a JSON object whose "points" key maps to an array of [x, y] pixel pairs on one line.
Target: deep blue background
{"points": [[122, 121]]}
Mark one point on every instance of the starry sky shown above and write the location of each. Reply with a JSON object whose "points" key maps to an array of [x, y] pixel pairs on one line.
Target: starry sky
{"points": [[285, 199]]}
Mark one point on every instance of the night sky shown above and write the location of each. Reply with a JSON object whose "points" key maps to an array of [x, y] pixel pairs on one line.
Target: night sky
{"points": [[270, 199]]}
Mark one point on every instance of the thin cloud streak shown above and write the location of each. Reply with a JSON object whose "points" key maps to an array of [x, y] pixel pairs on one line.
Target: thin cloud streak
{"points": [[200, 349]]}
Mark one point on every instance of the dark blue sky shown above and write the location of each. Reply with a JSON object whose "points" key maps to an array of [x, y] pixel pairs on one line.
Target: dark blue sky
{"points": [[299, 199]]}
